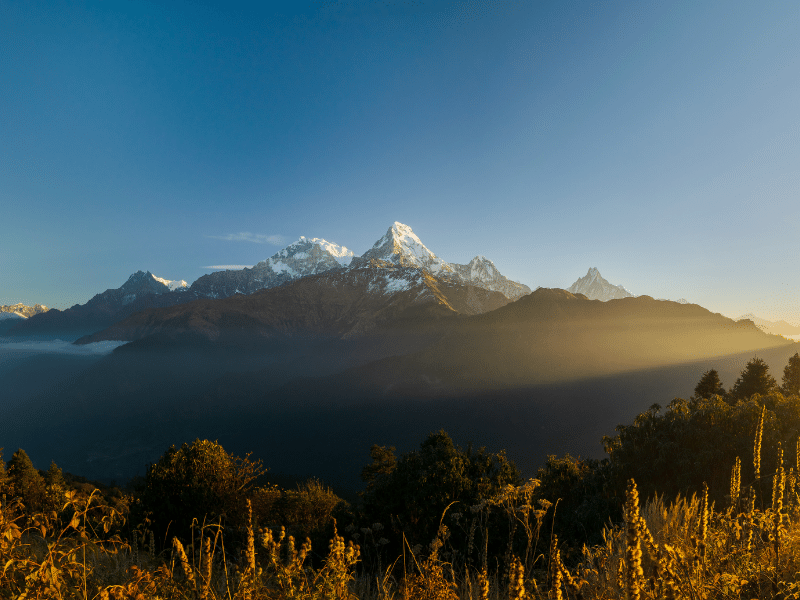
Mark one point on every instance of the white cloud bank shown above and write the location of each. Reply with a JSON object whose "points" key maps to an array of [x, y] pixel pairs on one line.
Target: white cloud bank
{"points": [[256, 238], [61, 347]]}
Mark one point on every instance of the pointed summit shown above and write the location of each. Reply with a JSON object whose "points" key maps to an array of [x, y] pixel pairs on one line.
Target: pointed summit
{"points": [[401, 247], [144, 282], [594, 287]]}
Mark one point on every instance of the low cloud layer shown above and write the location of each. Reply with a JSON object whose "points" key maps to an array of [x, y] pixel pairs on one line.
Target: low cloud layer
{"points": [[227, 267], [246, 236], [61, 347]]}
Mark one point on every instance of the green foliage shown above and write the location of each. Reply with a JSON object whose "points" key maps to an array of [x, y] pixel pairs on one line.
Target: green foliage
{"points": [[55, 487], [585, 497], [411, 492], [791, 376], [384, 462], [198, 481], [755, 379], [709, 385], [697, 440]]}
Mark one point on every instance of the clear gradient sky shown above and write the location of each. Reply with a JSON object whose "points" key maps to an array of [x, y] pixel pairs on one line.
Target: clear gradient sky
{"points": [[656, 141]]}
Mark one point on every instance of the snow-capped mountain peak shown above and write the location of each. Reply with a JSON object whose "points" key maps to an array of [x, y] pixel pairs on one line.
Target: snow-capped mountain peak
{"points": [[594, 287], [307, 256], [340, 253], [146, 281], [401, 246], [482, 269]]}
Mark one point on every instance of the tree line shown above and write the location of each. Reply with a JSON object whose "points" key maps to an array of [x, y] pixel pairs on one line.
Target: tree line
{"points": [[443, 489]]}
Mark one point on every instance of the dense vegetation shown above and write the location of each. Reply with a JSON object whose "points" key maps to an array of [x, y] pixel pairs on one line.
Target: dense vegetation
{"points": [[698, 500]]}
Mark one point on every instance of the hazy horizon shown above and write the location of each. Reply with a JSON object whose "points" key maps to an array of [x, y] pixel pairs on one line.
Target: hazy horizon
{"points": [[657, 143]]}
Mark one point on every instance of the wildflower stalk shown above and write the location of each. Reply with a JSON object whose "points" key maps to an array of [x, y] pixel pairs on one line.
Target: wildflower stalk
{"points": [[633, 550]]}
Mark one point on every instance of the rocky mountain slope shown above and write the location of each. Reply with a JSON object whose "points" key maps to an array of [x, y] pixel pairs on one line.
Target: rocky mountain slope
{"points": [[339, 303], [470, 289], [593, 286], [141, 290]]}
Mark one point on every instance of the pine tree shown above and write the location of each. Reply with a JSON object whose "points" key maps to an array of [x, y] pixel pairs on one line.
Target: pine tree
{"points": [[26, 481], [709, 385], [755, 379], [55, 486], [791, 376]]}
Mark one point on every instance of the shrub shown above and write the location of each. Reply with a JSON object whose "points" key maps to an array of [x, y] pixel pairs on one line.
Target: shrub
{"points": [[412, 491]]}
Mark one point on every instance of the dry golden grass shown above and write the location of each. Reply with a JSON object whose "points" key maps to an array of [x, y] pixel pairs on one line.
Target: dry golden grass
{"points": [[685, 549]]}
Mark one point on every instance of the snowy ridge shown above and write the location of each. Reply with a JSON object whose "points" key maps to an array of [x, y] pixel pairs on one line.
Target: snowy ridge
{"points": [[400, 247], [172, 284], [22, 310], [299, 259], [307, 257]]}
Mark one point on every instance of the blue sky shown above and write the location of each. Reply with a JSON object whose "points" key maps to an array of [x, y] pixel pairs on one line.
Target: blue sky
{"points": [[658, 142]]}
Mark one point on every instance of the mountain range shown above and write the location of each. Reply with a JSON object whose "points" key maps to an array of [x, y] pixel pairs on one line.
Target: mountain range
{"points": [[397, 262], [328, 353], [22, 310]]}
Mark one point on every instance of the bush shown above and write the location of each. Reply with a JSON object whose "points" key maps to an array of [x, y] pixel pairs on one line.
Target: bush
{"points": [[198, 481]]}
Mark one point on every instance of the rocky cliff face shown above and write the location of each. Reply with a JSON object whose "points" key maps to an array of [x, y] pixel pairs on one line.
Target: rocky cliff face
{"points": [[593, 286]]}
